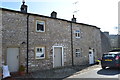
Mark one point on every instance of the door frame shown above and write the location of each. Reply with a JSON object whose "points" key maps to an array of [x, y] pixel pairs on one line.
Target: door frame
{"points": [[61, 55], [18, 55]]}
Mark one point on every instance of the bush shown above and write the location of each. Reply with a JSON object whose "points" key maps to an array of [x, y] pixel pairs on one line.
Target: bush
{"points": [[21, 68]]}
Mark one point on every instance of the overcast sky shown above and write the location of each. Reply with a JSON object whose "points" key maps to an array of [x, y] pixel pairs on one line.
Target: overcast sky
{"points": [[101, 13]]}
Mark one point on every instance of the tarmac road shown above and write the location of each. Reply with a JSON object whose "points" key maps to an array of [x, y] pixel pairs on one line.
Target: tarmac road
{"points": [[98, 73]]}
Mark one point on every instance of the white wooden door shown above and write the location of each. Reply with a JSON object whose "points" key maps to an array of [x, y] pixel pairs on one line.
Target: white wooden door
{"points": [[57, 56], [91, 57], [13, 59]]}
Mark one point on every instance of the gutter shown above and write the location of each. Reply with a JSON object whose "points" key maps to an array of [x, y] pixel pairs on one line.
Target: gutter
{"points": [[72, 44], [27, 69]]}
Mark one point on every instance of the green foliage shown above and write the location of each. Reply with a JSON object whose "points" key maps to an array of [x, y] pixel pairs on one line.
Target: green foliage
{"points": [[21, 68]]}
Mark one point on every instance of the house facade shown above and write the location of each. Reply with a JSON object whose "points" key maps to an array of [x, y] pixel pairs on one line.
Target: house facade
{"points": [[105, 42], [40, 42], [114, 41]]}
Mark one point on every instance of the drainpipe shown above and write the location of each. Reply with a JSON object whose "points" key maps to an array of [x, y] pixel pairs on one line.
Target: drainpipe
{"points": [[72, 45], [27, 43]]}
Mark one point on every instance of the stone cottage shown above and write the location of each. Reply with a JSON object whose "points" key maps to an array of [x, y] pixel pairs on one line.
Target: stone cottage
{"points": [[40, 42]]}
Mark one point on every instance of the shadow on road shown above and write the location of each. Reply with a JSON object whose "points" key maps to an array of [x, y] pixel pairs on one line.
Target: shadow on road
{"points": [[109, 71]]}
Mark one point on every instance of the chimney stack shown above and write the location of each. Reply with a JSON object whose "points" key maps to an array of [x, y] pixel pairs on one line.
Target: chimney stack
{"points": [[54, 14], [73, 19], [23, 7]]}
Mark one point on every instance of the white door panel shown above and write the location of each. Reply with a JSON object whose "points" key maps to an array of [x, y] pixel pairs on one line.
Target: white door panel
{"points": [[57, 56], [13, 59], [91, 57]]}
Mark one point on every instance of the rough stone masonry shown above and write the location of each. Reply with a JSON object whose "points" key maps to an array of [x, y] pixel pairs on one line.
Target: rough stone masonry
{"points": [[57, 33]]}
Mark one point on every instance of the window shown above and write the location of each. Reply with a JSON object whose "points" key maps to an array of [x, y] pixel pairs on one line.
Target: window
{"points": [[40, 26], [77, 33], [40, 53], [109, 55], [77, 52]]}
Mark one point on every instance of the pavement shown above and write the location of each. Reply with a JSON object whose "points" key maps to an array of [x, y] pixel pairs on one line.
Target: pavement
{"points": [[56, 73]]}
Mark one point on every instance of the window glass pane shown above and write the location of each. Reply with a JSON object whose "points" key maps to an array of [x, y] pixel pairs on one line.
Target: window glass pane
{"points": [[77, 50], [40, 53], [76, 54], [109, 55], [41, 50], [37, 49], [40, 26], [78, 34]]}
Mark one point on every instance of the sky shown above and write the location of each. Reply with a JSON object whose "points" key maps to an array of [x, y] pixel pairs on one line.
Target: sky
{"points": [[101, 13]]}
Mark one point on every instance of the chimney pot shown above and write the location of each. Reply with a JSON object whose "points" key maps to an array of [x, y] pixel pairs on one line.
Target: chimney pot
{"points": [[73, 19], [54, 14]]}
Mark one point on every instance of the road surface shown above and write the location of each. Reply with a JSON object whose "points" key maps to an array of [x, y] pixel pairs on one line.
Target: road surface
{"points": [[98, 73]]}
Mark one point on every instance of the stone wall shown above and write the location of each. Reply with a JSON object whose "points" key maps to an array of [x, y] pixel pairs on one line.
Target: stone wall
{"points": [[118, 40], [0, 43], [90, 38], [114, 39], [57, 33], [15, 33], [105, 42]]}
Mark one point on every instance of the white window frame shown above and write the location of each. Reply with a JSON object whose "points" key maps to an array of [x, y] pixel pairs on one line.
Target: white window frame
{"points": [[38, 54], [42, 22], [77, 33], [77, 53]]}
